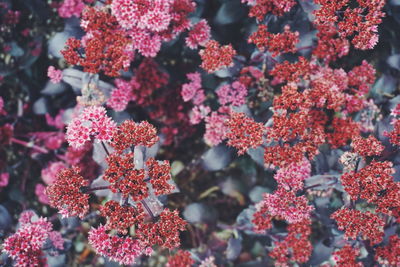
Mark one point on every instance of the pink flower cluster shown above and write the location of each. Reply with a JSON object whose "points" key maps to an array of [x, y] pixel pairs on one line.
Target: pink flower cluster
{"points": [[149, 22], [124, 250], [25, 246], [216, 129], [285, 205], [234, 94], [71, 8], [192, 90], [122, 94], [4, 178], [49, 174], [199, 35], [93, 121], [54, 74], [292, 176]]}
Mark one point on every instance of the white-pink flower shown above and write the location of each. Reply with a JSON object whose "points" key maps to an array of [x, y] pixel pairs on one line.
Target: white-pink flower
{"points": [[54, 74], [92, 122]]}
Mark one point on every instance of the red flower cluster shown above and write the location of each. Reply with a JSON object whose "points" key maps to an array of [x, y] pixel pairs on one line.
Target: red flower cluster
{"points": [[285, 205], [120, 217], [124, 178], [344, 129], [394, 135], [291, 72], [243, 132], [347, 256], [26, 245], [276, 7], [66, 195], [360, 22], [106, 46], [160, 174], [124, 250], [330, 46], [130, 133], [375, 184], [389, 255], [164, 232], [182, 258], [275, 43], [215, 57], [296, 247], [367, 146], [355, 223], [149, 77]]}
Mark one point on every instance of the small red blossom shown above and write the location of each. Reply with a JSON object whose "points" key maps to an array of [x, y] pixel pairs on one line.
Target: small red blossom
{"points": [[296, 247], [344, 129], [394, 135], [120, 217], [243, 132], [130, 133], [347, 257], [356, 223], [282, 156], [362, 77], [165, 232], [182, 258], [275, 43], [124, 178], [375, 184], [330, 46], [389, 255], [276, 7], [215, 57], [291, 72], [160, 174], [106, 47], [65, 193], [367, 146]]}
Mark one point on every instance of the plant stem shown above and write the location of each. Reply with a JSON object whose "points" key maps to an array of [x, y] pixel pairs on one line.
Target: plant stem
{"points": [[29, 145]]}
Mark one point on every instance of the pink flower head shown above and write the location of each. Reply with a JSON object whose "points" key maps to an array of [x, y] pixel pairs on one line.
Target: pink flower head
{"points": [[199, 113], [54, 74], [40, 192], [199, 35], [93, 121], [146, 43], [71, 8], [120, 96], [215, 128], [49, 174], [192, 89], [4, 178], [25, 246], [144, 14], [234, 94], [124, 250], [57, 121], [292, 176]]}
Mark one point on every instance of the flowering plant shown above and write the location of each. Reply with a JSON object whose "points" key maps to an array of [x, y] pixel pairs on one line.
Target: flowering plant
{"points": [[199, 133]]}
